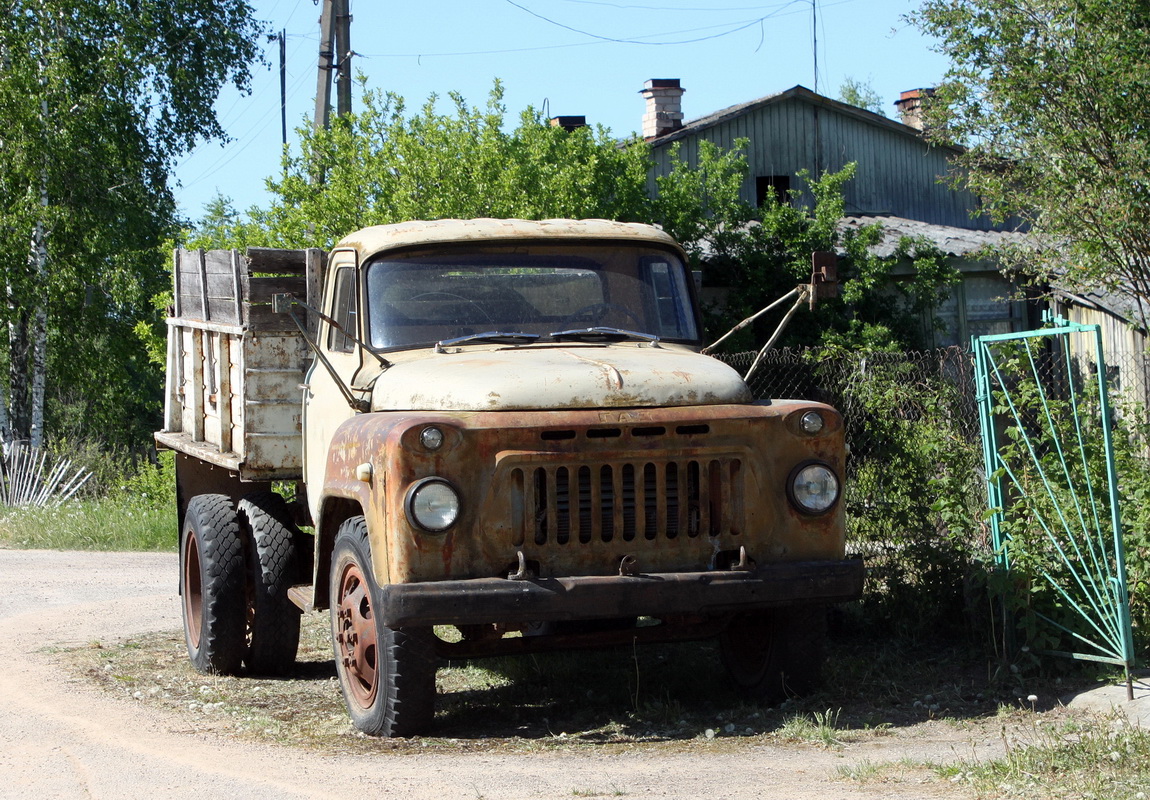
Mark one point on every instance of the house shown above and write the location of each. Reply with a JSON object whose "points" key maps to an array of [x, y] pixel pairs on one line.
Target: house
{"points": [[900, 181]]}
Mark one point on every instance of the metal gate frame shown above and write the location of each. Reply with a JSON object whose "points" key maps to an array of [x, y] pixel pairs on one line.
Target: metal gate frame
{"points": [[1078, 533]]}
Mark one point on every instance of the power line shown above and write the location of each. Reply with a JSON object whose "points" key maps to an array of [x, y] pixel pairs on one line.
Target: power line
{"points": [[673, 8], [740, 27]]}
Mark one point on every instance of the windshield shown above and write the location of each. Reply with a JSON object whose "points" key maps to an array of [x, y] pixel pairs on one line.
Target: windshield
{"points": [[422, 297]]}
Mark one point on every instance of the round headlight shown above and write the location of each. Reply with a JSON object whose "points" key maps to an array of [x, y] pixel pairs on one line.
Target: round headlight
{"points": [[431, 437], [811, 422], [814, 488], [432, 504]]}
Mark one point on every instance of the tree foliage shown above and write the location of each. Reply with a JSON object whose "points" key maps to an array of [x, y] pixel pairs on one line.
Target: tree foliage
{"points": [[1049, 97], [861, 94], [385, 165], [100, 98]]}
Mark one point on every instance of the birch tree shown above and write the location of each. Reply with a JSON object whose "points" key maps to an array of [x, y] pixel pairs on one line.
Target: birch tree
{"points": [[100, 97]]}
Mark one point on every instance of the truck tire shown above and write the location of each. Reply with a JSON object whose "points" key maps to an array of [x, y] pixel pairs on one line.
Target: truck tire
{"points": [[212, 585], [272, 568], [776, 654], [387, 674]]}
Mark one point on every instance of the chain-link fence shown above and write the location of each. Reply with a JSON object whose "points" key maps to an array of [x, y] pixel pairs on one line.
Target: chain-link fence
{"points": [[913, 491], [915, 495]]}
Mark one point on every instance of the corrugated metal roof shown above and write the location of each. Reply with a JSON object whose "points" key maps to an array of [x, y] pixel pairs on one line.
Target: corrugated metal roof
{"points": [[952, 241], [800, 92]]}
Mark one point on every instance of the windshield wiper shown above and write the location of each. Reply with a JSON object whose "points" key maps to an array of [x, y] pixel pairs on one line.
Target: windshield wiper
{"points": [[493, 337], [601, 334]]}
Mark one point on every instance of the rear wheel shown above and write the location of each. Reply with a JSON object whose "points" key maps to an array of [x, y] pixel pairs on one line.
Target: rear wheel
{"points": [[272, 568], [776, 654], [387, 674], [212, 585]]}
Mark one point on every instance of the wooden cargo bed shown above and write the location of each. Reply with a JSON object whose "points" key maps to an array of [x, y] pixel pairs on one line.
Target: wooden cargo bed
{"points": [[234, 370]]}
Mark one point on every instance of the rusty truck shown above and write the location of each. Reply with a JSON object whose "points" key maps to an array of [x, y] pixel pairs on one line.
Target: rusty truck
{"points": [[481, 437]]}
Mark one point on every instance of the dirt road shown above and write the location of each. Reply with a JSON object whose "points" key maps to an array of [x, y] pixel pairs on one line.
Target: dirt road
{"points": [[61, 737]]}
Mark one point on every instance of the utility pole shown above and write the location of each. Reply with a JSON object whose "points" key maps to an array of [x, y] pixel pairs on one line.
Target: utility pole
{"points": [[283, 86], [334, 55], [343, 54], [321, 120]]}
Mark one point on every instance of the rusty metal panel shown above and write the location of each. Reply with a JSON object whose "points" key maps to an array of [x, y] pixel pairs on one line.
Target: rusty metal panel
{"points": [[271, 453], [596, 492], [267, 416]]}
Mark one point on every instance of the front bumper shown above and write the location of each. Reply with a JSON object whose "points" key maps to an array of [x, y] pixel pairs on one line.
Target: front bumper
{"points": [[485, 600]]}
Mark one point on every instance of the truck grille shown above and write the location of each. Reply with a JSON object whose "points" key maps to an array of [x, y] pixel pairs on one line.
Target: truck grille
{"points": [[628, 501]]}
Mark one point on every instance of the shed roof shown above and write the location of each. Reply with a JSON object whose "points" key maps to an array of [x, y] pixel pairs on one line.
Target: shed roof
{"points": [[952, 241]]}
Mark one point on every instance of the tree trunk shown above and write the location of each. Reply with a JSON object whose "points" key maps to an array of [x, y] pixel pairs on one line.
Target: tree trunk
{"points": [[38, 261], [18, 370]]}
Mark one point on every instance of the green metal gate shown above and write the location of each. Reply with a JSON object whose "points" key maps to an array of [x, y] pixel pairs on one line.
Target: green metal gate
{"points": [[1049, 456]]}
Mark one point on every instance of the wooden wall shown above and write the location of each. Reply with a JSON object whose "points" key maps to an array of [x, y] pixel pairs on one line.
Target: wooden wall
{"points": [[897, 173]]}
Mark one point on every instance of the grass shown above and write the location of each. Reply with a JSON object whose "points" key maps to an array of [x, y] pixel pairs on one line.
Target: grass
{"points": [[659, 696], [821, 727], [666, 698], [137, 512], [1056, 756], [115, 523]]}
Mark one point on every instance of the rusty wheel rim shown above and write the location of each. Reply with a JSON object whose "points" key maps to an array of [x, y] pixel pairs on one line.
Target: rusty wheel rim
{"points": [[356, 640], [193, 588]]}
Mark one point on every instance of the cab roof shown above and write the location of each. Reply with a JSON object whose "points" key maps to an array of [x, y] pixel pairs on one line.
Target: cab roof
{"points": [[380, 238]]}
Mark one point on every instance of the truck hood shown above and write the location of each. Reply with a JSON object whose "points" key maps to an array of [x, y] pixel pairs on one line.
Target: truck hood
{"points": [[557, 377]]}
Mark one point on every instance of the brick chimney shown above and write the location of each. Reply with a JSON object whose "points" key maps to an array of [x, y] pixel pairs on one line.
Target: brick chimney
{"points": [[664, 113], [909, 105], [568, 123]]}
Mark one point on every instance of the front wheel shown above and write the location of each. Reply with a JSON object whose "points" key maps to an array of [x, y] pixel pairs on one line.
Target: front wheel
{"points": [[776, 654], [387, 674]]}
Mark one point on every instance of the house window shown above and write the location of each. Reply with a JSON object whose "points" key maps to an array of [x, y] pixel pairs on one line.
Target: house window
{"points": [[776, 186], [981, 304]]}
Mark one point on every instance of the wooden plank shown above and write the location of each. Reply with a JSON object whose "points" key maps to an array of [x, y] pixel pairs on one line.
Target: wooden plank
{"points": [[172, 411], [218, 262], [223, 309], [316, 261], [176, 279], [260, 290], [221, 285], [203, 325], [184, 443], [195, 393], [275, 261], [204, 313], [262, 318], [236, 284], [224, 393]]}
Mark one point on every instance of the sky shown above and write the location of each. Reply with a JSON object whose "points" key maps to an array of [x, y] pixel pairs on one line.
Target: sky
{"points": [[565, 57]]}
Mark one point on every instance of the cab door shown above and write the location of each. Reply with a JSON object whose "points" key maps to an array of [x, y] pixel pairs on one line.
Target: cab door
{"points": [[324, 406]]}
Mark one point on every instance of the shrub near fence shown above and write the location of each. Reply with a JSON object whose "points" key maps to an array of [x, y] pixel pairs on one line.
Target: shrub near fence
{"points": [[914, 491]]}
